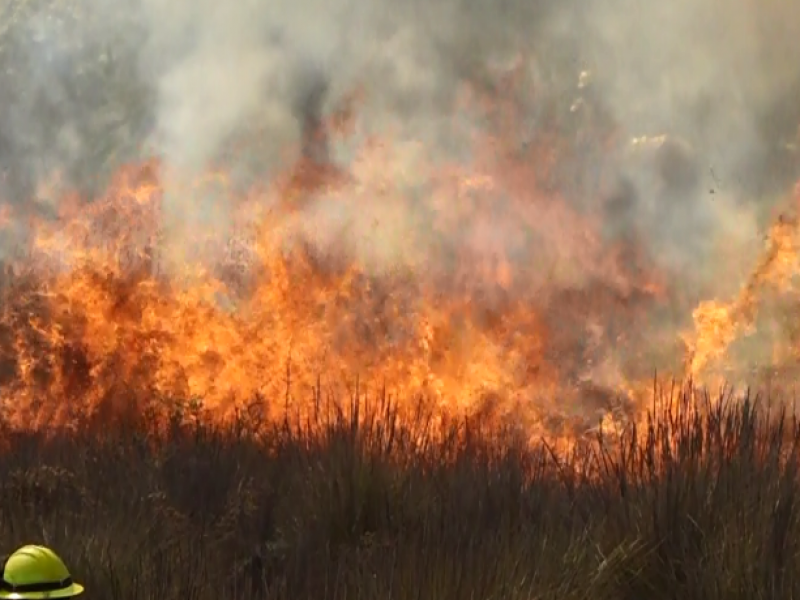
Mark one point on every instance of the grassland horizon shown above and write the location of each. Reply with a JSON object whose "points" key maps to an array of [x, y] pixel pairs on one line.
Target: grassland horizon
{"points": [[698, 501]]}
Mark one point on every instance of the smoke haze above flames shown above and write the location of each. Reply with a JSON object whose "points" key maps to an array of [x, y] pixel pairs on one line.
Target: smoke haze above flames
{"points": [[721, 76]]}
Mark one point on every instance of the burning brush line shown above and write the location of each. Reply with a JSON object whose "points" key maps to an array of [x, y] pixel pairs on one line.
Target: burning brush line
{"points": [[331, 274]]}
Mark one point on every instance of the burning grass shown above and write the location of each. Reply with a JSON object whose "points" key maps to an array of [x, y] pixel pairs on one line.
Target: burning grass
{"points": [[518, 303], [353, 504]]}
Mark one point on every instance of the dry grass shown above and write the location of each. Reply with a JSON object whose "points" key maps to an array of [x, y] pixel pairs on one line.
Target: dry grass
{"points": [[704, 508]]}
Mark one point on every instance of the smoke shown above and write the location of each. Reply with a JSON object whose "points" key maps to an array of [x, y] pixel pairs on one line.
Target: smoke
{"points": [[717, 77], [681, 118]]}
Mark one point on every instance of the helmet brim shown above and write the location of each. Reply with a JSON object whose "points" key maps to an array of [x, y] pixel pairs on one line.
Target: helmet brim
{"points": [[67, 592]]}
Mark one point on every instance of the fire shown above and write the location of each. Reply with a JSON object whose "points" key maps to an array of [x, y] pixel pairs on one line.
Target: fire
{"points": [[479, 289], [719, 324]]}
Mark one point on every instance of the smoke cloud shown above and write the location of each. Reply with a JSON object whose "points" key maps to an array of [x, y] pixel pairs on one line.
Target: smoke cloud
{"points": [[700, 97]]}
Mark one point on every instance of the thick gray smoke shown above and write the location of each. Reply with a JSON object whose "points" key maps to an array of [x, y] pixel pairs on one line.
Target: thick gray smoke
{"points": [[702, 96], [720, 79]]}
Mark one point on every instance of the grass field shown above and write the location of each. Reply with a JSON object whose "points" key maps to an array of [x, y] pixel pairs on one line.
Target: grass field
{"points": [[705, 506]]}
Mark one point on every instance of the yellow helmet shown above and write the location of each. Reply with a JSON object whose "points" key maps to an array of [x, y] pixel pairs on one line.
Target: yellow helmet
{"points": [[36, 572]]}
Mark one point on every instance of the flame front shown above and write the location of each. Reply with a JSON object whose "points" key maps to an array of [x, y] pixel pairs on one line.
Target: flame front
{"points": [[718, 324], [472, 288]]}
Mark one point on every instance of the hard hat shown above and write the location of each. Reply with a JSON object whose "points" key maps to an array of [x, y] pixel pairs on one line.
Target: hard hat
{"points": [[36, 572]]}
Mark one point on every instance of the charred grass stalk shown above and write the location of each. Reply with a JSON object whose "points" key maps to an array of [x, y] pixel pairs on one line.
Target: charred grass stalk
{"points": [[699, 501]]}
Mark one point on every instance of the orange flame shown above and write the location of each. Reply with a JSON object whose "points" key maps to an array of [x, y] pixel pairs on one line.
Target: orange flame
{"points": [[718, 324], [532, 322]]}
